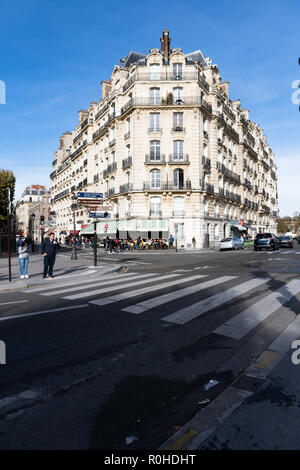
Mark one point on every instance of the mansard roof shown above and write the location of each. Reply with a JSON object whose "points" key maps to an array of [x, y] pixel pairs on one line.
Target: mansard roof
{"points": [[131, 58]]}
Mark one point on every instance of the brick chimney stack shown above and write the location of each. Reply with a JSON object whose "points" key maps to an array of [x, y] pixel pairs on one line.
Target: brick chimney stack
{"points": [[165, 43]]}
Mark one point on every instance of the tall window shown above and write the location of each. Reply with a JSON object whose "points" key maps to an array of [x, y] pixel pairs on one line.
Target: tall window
{"points": [[154, 96], [178, 149], [205, 125], [180, 231], [178, 121], [178, 95], [178, 178], [155, 150], [154, 72], [154, 121], [155, 178], [177, 71], [178, 206], [128, 125], [155, 206]]}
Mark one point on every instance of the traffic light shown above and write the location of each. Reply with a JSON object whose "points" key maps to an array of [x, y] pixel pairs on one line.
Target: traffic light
{"points": [[42, 219]]}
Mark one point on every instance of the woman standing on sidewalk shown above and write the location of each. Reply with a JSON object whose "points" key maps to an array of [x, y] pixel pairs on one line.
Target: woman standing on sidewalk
{"points": [[23, 260]]}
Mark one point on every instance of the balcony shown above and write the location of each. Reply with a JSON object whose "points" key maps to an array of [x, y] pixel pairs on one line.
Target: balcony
{"points": [[178, 129], [62, 194], [166, 186], [126, 135], [232, 196], [166, 76], [209, 188], [154, 129], [112, 142], [158, 101], [126, 163], [155, 213], [247, 184], [110, 192], [177, 159], [206, 162], [159, 159], [110, 169], [53, 174], [125, 188], [179, 213]]}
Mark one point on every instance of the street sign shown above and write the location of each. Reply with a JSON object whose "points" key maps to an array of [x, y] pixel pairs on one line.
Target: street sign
{"points": [[106, 226], [89, 201], [89, 195], [96, 215]]}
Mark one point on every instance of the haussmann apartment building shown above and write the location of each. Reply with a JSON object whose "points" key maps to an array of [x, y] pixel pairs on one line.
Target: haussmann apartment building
{"points": [[170, 152]]}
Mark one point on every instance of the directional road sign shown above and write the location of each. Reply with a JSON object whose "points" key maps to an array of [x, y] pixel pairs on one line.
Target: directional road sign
{"points": [[82, 195]]}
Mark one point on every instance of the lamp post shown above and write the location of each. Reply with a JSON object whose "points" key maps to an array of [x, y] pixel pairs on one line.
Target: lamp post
{"points": [[32, 246], [74, 253]]}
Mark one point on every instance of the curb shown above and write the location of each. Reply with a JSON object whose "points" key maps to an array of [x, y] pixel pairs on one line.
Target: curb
{"points": [[116, 268], [205, 423]]}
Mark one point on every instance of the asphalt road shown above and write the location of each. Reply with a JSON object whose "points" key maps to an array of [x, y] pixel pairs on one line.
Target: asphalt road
{"points": [[101, 359]]}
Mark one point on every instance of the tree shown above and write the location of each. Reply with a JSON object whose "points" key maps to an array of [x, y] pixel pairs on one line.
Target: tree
{"points": [[7, 180]]}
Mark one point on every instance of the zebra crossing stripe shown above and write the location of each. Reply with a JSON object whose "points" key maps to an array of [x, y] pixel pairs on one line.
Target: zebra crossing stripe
{"points": [[165, 298], [193, 311], [128, 295], [121, 286], [99, 283], [72, 283], [241, 324]]}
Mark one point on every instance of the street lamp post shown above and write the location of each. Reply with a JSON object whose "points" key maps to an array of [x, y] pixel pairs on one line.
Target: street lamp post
{"points": [[32, 246], [74, 252]]}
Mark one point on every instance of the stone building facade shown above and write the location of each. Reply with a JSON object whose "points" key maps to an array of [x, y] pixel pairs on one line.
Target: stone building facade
{"points": [[35, 199], [171, 152]]}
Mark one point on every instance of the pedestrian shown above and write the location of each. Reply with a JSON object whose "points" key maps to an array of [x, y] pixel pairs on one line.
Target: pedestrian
{"points": [[171, 241], [49, 247], [23, 251], [194, 242]]}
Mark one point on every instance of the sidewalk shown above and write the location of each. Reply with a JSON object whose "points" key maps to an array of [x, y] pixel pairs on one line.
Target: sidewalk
{"points": [[64, 268]]}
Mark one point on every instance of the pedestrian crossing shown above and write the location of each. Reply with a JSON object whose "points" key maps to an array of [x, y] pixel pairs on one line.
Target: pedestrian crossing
{"points": [[181, 297]]}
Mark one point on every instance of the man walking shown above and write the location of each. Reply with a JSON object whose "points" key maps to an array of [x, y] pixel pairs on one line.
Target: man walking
{"points": [[49, 247]]}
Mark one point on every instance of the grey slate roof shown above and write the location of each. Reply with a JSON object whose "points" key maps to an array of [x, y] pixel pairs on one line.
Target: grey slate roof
{"points": [[196, 56], [132, 57]]}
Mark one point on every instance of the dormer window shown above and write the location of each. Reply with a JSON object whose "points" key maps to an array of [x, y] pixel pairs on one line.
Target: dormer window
{"points": [[154, 72], [177, 71]]}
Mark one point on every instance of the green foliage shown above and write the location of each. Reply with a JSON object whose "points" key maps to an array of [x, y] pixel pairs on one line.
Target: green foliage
{"points": [[289, 224], [7, 180]]}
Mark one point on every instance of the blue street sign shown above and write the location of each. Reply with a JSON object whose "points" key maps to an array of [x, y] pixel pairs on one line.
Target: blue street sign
{"points": [[90, 195], [98, 215]]}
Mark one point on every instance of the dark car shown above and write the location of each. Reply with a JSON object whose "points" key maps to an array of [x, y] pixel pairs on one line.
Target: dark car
{"points": [[266, 240], [286, 240]]}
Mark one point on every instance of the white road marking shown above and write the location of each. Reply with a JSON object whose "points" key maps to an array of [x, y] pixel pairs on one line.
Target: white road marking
{"points": [[187, 314], [128, 295], [163, 299], [16, 302], [129, 278], [240, 325], [72, 283], [120, 286], [284, 341], [31, 314]]}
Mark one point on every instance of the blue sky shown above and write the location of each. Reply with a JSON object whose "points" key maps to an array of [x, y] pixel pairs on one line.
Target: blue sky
{"points": [[54, 55]]}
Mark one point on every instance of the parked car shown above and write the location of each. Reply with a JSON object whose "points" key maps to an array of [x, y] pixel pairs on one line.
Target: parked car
{"points": [[266, 240], [231, 243], [286, 241]]}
